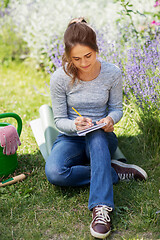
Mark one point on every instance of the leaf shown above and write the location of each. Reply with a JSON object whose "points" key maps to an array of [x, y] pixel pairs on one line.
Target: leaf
{"points": [[148, 13], [129, 10], [130, 5]]}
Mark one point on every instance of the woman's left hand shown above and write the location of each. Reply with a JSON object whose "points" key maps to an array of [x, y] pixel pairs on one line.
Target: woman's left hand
{"points": [[109, 127]]}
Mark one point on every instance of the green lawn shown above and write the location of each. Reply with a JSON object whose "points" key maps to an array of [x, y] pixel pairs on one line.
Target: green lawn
{"points": [[35, 209]]}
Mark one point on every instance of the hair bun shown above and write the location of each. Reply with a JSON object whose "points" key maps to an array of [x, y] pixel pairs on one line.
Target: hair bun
{"points": [[77, 20]]}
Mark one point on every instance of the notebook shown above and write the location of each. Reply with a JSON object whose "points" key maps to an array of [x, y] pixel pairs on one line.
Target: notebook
{"points": [[95, 127]]}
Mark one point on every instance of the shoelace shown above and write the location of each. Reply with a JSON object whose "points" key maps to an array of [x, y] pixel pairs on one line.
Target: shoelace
{"points": [[102, 214], [124, 176]]}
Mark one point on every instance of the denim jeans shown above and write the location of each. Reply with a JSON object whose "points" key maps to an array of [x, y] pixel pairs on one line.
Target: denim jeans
{"points": [[77, 161]]}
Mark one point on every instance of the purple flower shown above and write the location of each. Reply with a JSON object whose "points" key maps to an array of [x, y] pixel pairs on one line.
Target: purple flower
{"points": [[55, 51], [139, 65]]}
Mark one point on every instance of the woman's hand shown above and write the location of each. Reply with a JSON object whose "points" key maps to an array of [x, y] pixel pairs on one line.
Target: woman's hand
{"points": [[109, 127], [83, 123]]}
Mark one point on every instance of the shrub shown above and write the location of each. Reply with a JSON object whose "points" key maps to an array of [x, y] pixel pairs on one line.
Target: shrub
{"points": [[38, 21], [139, 65], [12, 46]]}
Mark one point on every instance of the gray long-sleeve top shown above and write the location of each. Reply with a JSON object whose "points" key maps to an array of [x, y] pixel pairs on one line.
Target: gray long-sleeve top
{"points": [[95, 99]]}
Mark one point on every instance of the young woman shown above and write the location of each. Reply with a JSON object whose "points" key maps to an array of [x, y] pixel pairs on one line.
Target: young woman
{"points": [[94, 89]]}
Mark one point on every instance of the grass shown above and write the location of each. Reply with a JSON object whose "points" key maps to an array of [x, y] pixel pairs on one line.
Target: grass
{"points": [[35, 209]]}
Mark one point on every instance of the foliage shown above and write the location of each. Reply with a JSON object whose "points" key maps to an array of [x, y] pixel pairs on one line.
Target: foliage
{"points": [[127, 11], [54, 54], [141, 72], [135, 53], [4, 7], [147, 26], [12, 47], [140, 66], [37, 21], [156, 15]]}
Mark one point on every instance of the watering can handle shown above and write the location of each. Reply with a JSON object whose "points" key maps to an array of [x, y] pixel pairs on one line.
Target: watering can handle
{"points": [[17, 117]]}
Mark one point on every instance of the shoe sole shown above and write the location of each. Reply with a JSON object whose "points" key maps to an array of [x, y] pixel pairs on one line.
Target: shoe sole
{"points": [[139, 169], [99, 235]]}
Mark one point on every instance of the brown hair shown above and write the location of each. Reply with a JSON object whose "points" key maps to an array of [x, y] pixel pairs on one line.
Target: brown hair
{"points": [[77, 32]]}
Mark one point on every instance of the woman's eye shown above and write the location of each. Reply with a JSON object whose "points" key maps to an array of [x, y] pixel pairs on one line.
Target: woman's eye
{"points": [[88, 56], [76, 59]]}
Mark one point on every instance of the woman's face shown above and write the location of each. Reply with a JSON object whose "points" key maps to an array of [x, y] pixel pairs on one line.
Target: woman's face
{"points": [[83, 57]]}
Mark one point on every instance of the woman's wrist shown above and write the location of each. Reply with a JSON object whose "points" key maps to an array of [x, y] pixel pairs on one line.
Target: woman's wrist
{"points": [[110, 119]]}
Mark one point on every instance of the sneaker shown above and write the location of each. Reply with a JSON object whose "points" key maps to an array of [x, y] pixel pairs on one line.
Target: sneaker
{"points": [[101, 224], [128, 171]]}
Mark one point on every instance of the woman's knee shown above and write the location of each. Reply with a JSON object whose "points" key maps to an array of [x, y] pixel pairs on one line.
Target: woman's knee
{"points": [[97, 138], [55, 175], [52, 175]]}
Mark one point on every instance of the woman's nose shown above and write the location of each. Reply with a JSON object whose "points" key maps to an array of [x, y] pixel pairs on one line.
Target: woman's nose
{"points": [[83, 62]]}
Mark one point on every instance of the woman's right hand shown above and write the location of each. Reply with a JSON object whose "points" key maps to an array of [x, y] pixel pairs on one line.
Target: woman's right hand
{"points": [[83, 123]]}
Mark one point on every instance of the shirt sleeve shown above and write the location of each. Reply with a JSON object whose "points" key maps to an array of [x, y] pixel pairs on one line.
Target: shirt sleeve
{"points": [[115, 108], [59, 104]]}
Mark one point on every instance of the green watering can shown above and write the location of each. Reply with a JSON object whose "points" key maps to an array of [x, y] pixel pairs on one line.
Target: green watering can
{"points": [[8, 163]]}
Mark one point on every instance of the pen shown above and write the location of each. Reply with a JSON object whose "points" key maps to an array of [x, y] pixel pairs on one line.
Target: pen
{"points": [[79, 114], [76, 111]]}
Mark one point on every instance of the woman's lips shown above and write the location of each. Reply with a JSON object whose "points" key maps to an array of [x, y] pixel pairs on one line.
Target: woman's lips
{"points": [[86, 67]]}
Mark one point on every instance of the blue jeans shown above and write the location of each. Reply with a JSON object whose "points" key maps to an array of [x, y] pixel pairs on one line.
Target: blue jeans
{"points": [[77, 161]]}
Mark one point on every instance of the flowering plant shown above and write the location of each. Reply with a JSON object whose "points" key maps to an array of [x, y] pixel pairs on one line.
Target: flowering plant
{"points": [[142, 74], [157, 15], [37, 21], [55, 52], [12, 46], [140, 65], [157, 3]]}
